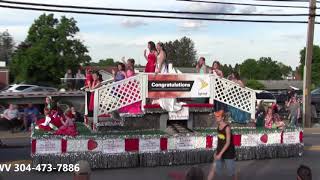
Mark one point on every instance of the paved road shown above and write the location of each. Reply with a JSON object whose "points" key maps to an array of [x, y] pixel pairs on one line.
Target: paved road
{"points": [[275, 169]]}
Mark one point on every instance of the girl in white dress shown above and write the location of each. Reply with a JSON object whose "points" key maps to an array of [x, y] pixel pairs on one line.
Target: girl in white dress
{"points": [[161, 66]]}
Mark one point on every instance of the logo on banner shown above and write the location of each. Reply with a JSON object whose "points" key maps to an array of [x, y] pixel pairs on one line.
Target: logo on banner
{"points": [[170, 85], [204, 84], [183, 114]]}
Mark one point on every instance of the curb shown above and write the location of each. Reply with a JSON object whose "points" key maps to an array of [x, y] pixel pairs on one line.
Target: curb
{"points": [[312, 148]]}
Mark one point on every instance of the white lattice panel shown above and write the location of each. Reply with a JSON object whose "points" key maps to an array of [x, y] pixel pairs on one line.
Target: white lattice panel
{"points": [[234, 95], [119, 94]]}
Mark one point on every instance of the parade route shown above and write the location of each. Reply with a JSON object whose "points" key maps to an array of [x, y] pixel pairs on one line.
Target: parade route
{"points": [[18, 152]]}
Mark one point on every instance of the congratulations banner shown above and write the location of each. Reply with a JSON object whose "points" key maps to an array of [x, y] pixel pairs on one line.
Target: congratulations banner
{"points": [[180, 85]]}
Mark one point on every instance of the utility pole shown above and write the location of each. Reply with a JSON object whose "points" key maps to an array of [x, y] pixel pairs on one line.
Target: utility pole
{"points": [[307, 66]]}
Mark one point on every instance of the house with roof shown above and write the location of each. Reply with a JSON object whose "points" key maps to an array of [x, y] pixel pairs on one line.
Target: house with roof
{"points": [[4, 75]]}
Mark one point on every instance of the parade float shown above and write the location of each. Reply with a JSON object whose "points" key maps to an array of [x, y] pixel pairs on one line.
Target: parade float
{"points": [[170, 128]]}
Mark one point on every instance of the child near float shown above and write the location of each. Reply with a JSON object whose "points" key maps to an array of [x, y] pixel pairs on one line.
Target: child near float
{"points": [[273, 120], [89, 79], [134, 108], [225, 153], [96, 82], [120, 74], [68, 127], [51, 121]]}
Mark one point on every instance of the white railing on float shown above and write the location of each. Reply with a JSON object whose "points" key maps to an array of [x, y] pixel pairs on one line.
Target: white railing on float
{"points": [[232, 94], [103, 83], [115, 95]]}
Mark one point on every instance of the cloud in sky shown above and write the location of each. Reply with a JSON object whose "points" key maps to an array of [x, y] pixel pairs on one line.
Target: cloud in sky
{"points": [[249, 9], [217, 8], [131, 23], [191, 25]]}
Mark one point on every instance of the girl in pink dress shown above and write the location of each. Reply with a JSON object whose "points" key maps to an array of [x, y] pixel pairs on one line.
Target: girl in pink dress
{"points": [[134, 108], [68, 127], [130, 68], [151, 57]]}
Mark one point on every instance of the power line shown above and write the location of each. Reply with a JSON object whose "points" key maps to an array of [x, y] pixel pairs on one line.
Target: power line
{"points": [[152, 16], [296, 1], [148, 11], [246, 4]]}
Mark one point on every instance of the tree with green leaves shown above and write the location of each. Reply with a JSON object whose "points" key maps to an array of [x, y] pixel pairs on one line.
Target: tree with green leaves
{"points": [[249, 69], [6, 47], [285, 70], [254, 84], [226, 69], [104, 62], [315, 73], [268, 69], [264, 69], [48, 51], [181, 53]]}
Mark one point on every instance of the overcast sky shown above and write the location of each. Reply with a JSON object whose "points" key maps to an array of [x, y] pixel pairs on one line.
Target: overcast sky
{"points": [[227, 42]]}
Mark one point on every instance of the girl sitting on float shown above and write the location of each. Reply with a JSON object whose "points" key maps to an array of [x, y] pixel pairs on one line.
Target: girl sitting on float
{"points": [[52, 116], [50, 122], [273, 120], [68, 126]]}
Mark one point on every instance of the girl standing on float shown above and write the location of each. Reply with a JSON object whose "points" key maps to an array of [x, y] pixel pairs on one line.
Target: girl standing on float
{"points": [[161, 66], [216, 69], [134, 108], [151, 57], [121, 73], [238, 115], [130, 68], [201, 67], [96, 82]]}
